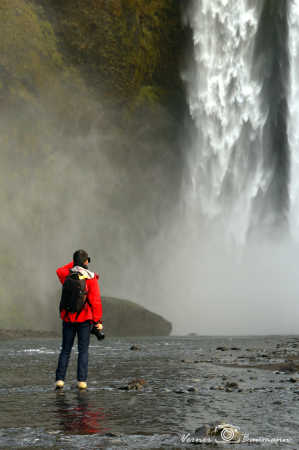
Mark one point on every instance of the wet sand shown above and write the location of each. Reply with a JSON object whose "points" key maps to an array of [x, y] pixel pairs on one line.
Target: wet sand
{"points": [[19, 334], [250, 382]]}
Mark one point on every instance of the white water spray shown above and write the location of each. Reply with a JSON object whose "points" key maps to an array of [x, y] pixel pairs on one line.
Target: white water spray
{"points": [[293, 123], [227, 158]]}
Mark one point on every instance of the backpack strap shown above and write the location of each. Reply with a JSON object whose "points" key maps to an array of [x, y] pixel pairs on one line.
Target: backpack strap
{"points": [[86, 301], [67, 312]]}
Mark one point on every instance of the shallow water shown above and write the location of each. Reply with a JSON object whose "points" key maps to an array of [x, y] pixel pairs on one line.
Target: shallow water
{"points": [[33, 415]]}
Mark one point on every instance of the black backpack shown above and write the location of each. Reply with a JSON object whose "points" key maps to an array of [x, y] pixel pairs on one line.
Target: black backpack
{"points": [[74, 294]]}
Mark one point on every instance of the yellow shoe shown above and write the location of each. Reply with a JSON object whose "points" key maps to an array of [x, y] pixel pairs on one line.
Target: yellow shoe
{"points": [[59, 384], [82, 385]]}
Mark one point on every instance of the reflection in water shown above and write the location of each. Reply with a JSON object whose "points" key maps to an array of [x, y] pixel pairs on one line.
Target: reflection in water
{"points": [[78, 415]]}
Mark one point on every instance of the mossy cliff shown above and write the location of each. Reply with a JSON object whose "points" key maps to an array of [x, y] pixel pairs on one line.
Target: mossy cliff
{"points": [[29, 56], [133, 46], [124, 50]]}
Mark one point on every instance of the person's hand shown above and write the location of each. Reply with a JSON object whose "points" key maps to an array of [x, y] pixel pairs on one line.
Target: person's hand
{"points": [[99, 326]]}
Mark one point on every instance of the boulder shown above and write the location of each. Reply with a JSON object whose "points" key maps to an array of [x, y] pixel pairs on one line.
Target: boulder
{"points": [[126, 318]]}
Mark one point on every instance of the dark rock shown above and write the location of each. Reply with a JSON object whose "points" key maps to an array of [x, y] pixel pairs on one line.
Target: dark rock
{"points": [[189, 361], [222, 348], [191, 401], [231, 386], [179, 391], [215, 430], [192, 389], [136, 384], [293, 380], [202, 431], [135, 347], [126, 318]]}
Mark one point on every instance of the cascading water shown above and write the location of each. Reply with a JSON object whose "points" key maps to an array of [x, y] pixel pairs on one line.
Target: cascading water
{"points": [[238, 161], [293, 127]]}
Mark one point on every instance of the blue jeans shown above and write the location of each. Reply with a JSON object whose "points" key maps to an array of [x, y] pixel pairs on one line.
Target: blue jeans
{"points": [[69, 331]]}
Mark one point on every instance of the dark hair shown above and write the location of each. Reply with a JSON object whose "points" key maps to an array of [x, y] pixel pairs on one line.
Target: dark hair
{"points": [[79, 257]]}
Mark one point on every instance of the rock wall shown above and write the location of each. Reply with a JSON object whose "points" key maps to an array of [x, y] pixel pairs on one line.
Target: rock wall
{"points": [[127, 51]]}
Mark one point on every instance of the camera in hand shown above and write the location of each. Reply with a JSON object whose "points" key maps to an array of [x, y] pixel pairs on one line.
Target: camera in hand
{"points": [[98, 333]]}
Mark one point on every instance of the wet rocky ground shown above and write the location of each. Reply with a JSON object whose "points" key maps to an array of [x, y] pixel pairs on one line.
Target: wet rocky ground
{"points": [[152, 393]]}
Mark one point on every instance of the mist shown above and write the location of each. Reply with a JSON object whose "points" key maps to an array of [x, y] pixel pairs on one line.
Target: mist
{"points": [[123, 193], [218, 289], [103, 182]]}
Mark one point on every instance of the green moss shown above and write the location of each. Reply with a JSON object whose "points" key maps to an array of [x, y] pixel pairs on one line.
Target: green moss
{"points": [[28, 51], [31, 63], [123, 46], [121, 51]]}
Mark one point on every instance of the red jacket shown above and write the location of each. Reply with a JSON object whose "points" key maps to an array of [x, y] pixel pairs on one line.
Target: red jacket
{"points": [[94, 312]]}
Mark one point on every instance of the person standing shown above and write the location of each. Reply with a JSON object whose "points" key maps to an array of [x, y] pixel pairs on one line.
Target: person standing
{"points": [[78, 323]]}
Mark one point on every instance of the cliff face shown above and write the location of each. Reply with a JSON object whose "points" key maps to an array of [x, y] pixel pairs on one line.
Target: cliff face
{"points": [[132, 46], [126, 51], [28, 51]]}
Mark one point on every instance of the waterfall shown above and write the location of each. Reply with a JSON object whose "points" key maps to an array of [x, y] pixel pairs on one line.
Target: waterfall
{"points": [[293, 126], [236, 92]]}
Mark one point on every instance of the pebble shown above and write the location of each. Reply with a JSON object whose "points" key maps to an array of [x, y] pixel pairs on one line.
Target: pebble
{"points": [[135, 347], [192, 389]]}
